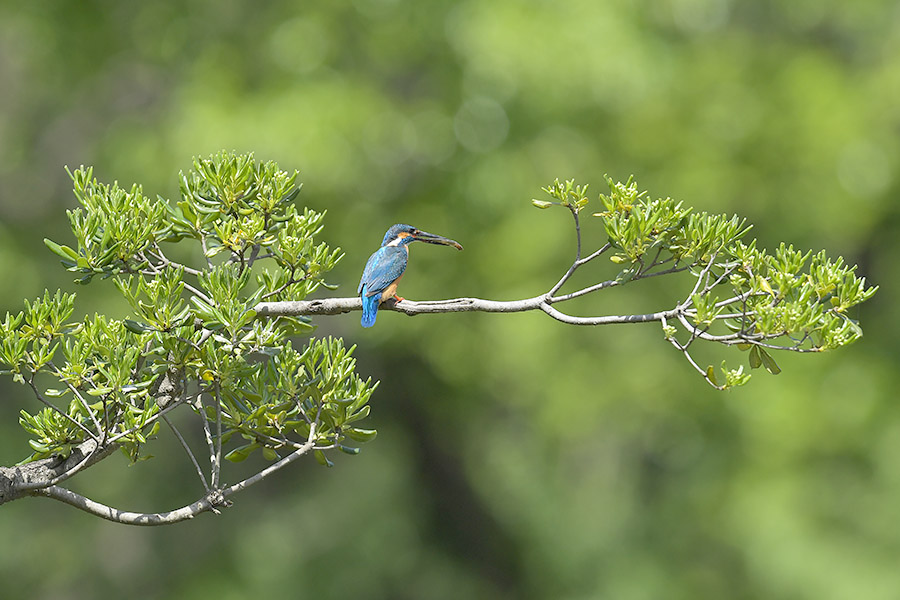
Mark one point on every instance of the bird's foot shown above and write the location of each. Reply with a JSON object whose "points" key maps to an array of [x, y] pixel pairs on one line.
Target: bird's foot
{"points": [[393, 300]]}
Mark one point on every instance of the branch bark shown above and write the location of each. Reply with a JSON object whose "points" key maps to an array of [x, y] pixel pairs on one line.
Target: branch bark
{"points": [[211, 502], [40, 477], [336, 306], [27, 480]]}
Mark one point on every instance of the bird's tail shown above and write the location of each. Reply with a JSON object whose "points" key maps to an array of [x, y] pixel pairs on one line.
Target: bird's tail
{"points": [[370, 308]]}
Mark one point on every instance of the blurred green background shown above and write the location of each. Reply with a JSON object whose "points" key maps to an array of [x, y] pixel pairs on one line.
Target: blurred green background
{"points": [[517, 457]]}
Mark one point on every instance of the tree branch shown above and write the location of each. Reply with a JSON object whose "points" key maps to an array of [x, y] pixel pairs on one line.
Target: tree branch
{"points": [[336, 306], [23, 480], [210, 502]]}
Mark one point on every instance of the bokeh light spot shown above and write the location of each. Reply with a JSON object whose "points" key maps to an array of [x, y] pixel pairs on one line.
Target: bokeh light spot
{"points": [[481, 124]]}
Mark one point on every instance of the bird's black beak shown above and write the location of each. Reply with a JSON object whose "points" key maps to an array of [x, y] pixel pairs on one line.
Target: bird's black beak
{"points": [[430, 238]]}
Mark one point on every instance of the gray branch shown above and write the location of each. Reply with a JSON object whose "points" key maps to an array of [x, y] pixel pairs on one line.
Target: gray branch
{"points": [[336, 306], [32, 479], [210, 502], [28, 479]]}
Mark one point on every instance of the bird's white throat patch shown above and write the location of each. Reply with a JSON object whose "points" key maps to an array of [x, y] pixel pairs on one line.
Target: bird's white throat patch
{"points": [[396, 241]]}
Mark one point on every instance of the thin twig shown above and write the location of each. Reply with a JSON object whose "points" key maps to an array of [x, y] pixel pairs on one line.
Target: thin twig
{"points": [[197, 292], [594, 254], [673, 269], [575, 263], [40, 397], [206, 433], [584, 291], [149, 421], [158, 253], [209, 264], [81, 400], [703, 274], [291, 281], [217, 459], [190, 453]]}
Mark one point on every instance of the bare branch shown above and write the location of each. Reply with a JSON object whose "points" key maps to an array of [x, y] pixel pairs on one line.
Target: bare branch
{"points": [[210, 502], [334, 306], [585, 291], [605, 247], [610, 319]]}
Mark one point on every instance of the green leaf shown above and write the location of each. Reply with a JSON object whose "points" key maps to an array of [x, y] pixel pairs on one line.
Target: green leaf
{"points": [[361, 435], [734, 377], [63, 252], [755, 360], [37, 446], [764, 286], [136, 327], [240, 454], [360, 414], [322, 459], [769, 362]]}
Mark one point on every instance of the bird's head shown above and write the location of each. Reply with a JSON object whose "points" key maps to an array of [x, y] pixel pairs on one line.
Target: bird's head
{"points": [[399, 235]]}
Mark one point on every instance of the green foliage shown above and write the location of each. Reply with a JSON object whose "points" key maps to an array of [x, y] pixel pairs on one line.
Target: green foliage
{"points": [[648, 486], [639, 227], [568, 194], [194, 323], [54, 432], [743, 296], [294, 390]]}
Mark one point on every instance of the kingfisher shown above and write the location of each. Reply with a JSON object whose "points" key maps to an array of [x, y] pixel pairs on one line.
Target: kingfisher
{"points": [[387, 264]]}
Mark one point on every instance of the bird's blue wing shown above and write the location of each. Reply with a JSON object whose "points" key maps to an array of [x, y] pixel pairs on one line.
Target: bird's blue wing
{"points": [[383, 268], [367, 272]]}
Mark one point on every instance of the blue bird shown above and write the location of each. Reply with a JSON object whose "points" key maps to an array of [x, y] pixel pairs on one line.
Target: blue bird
{"points": [[387, 264]]}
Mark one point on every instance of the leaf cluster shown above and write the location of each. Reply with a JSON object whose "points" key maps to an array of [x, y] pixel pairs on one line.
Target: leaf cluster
{"points": [[742, 295], [193, 338], [294, 390]]}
